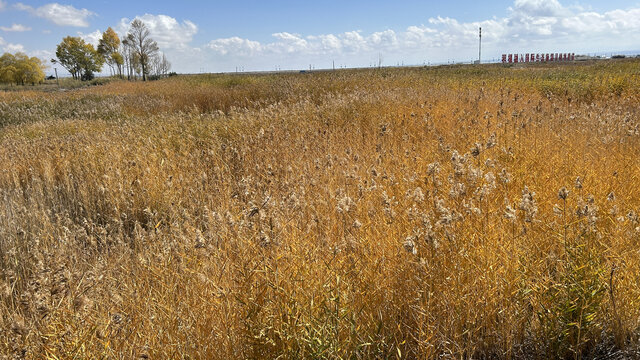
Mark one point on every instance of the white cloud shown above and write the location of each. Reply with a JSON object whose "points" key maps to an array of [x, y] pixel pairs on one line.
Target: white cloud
{"points": [[91, 38], [167, 31], [13, 48], [3, 5], [330, 42], [530, 25], [550, 21], [15, 28], [539, 8], [46, 55], [10, 48], [287, 43], [384, 39], [62, 15], [350, 42], [235, 45]]}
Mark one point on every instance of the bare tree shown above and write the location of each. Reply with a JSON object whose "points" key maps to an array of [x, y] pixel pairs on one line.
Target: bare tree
{"points": [[160, 66], [165, 65], [126, 52], [143, 46], [155, 65]]}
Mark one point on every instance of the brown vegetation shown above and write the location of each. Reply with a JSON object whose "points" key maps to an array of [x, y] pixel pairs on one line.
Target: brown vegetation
{"points": [[460, 212]]}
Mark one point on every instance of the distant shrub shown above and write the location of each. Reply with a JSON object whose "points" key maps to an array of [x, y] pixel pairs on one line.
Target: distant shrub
{"points": [[88, 75]]}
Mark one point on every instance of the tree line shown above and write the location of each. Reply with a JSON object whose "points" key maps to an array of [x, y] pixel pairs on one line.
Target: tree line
{"points": [[137, 55]]}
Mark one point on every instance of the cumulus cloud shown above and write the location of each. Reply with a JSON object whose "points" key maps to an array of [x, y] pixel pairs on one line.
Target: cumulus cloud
{"points": [[530, 25], [91, 38], [236, 46], [384, 39], [539, 8], [62, 15], [15, 28], [167, 31], [14, 48], [44, 55], [551, 21], [288, 43], [10, 48], [347, 43]]}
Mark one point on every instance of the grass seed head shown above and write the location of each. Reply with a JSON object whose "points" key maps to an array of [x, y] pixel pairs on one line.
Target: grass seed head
{"points": [[563, 193]]}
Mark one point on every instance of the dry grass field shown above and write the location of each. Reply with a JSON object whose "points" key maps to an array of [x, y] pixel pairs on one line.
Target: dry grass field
{"points": [[454, 212]]}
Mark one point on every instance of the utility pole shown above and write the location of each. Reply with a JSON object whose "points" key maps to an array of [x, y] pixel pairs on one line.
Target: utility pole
{"points": [[57, 81], [480, 48]]}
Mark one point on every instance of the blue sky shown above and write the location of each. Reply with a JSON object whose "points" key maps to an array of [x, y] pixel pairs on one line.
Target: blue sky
{"points": [[216, 36]]}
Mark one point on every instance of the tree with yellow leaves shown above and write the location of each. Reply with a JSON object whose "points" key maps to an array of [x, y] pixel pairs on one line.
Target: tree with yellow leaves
{"points": [[21, 69], [108, 47], [78, 57]]}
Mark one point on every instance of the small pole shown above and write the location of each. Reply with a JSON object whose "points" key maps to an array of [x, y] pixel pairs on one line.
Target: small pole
{"points": [[480, 48], [57, 82]]}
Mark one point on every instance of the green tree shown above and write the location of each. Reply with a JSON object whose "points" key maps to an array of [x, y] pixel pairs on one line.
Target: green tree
{"points": [[79, 58]]}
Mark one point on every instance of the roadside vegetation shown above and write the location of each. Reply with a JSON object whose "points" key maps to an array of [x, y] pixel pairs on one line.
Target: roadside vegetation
{"points": [[456, 212]]}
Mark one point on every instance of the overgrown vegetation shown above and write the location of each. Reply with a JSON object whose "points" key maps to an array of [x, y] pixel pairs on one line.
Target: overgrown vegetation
{"points": [[457, 212]]}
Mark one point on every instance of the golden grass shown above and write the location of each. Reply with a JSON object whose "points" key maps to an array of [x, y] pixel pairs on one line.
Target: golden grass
{"points": [[407, 213]]}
